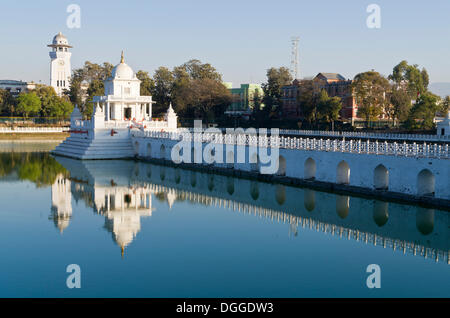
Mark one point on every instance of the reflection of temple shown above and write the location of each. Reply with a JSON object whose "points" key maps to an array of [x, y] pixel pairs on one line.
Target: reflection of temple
{"points": [[61, 203], [123, 208], [122, 190]]}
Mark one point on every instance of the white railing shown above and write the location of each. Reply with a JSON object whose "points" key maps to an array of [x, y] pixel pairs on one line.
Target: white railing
{"points": [[428, 150], [364, 135], [33, 129], [356, 134]]}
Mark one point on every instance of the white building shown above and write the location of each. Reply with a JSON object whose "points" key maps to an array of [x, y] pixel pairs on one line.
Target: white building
{"points": [[61, 202], [443, 127], [122, 108], [60, 69], [123, 101]]}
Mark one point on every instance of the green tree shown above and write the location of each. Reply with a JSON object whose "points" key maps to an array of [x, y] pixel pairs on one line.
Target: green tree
{"points": [[162, 93], [307, 99], [276, 79], [51, 104], [401, 104], [328, 107], [147, 83], [205, 98], [410, 79], [7, 103], [445, 106], [28, 104], [370, 89], [93, 75], [423, 112]]}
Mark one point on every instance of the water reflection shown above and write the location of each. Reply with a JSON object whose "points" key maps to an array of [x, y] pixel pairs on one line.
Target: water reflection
{"points": [[122, 192]]}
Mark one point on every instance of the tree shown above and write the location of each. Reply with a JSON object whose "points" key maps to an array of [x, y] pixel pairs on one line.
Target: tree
{"points": [[51, 104], [401, 104], [197, 91], [162, 92], [147, 83], [307, 98], [423, 112], [7, 103], [410, 79], [276, 79], [28, 104], [371, 90], [328, 107], [206, 98], [93, 75], [445, 106]]}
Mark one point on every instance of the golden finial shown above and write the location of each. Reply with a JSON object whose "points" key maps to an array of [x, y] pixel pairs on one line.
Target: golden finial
{"points": [[122, 247], [121, 58]]}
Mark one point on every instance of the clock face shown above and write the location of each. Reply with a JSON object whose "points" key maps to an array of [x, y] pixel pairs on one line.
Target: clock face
{"points": [[61, 62]]}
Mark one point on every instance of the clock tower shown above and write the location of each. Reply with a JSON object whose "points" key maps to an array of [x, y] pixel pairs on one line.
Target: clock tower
{"points": [[60, 70]]}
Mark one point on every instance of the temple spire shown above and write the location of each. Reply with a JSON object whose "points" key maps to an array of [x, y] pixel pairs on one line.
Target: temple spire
{"points": [[121, 58]]}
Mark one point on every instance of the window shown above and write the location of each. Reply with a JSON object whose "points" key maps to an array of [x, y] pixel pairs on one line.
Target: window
{"points": [[127, 90]]}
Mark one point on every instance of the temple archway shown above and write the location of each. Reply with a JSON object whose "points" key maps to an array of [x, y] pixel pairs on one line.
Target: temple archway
{"points": [[149, 150], [381, 178], [162, 152], [425, 183], [343, 173], [281, 166], [310, 169]]}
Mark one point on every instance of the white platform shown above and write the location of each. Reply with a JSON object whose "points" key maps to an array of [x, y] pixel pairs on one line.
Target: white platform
{"points": [[102, 146]]}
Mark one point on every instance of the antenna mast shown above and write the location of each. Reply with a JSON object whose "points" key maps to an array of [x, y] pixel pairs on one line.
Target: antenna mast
{"points": [[295, 72]]}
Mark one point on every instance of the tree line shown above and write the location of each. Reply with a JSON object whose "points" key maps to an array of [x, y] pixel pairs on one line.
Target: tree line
{"points": [[196, 91], [40, 102], [194, 88], [402, 98]]}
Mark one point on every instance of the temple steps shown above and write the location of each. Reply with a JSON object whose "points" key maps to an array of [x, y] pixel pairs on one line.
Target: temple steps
{"points": [[82, 148]]}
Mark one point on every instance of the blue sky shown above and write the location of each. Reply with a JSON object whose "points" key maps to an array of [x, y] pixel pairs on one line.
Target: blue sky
{"points": [[242, 39]]}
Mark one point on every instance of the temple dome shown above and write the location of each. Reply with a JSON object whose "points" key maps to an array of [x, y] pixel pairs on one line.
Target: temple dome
{"points": [[60, 39], [122, 70]]}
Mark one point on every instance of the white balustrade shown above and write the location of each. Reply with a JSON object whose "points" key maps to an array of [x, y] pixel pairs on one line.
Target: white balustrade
{"points": [[33, 129], [315, 144]]}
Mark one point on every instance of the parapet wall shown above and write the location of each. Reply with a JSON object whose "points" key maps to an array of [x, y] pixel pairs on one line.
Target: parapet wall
{"points": [[421, 178]]}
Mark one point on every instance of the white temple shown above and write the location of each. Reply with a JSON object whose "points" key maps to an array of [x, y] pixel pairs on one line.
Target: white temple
{"points": [[107, 134]]}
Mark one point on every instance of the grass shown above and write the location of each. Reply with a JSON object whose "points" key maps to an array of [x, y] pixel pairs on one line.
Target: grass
{"points": [[33, 136]]}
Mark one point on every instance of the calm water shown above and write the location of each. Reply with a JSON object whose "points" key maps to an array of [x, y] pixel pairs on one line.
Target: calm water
{"points": [[142, 230]]}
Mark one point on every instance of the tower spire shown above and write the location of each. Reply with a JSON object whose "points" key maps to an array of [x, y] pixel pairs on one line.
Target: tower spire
{"points": [[121, 58]]}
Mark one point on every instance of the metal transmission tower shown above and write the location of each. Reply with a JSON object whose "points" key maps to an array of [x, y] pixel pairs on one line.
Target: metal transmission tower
{"points": [[295, 72]]}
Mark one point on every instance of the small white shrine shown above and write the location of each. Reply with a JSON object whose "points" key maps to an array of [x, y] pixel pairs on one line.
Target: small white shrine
{"points": [[122, 108], [443, 127]]}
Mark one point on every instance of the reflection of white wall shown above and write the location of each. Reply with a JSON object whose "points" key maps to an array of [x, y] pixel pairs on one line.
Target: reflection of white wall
{"points": [[61, 202]]}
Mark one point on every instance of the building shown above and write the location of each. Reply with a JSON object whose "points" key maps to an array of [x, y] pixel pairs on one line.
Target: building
{"points": [[60, 68], [122, 108], [443, 127], [243, 98], [289, 100], [335, 85], [16, 87]]}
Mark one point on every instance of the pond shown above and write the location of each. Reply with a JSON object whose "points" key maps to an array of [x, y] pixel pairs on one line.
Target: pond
{"points": [[137, 229]]}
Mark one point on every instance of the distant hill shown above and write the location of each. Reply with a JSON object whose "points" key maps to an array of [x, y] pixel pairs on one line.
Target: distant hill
{"points": [[441, 88]]}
